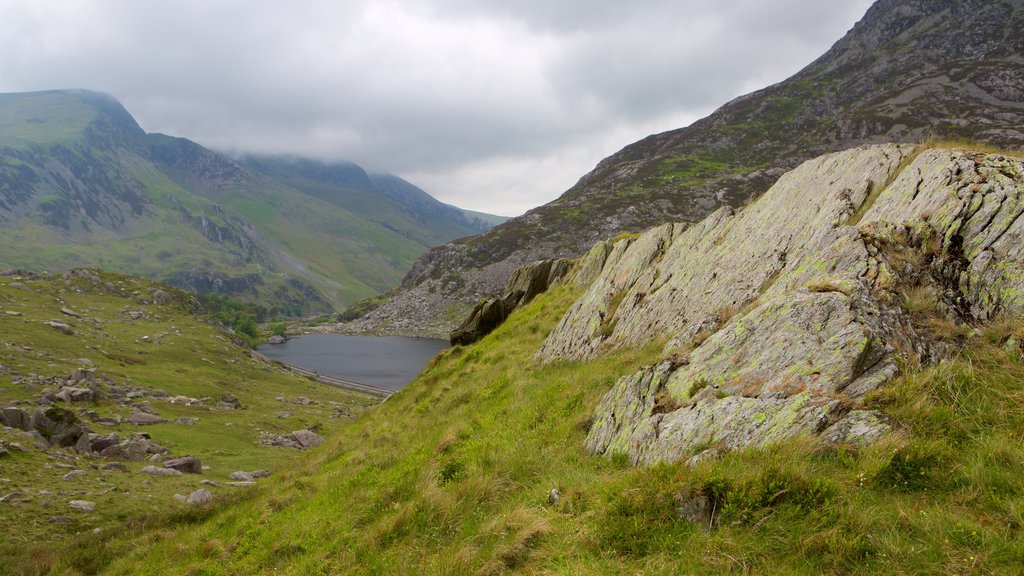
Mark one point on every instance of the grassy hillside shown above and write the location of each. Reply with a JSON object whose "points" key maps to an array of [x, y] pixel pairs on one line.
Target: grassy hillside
{"points": [[81, 184], [142, 337], [452, 476]]}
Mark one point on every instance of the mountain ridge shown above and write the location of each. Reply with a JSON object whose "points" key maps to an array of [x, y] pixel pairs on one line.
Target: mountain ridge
{"points": [[81, 183], [906, 72]]}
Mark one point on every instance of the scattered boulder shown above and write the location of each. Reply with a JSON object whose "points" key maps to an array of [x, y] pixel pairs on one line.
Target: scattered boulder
{"points": [[114, 466], [185, 421], [229, 402], [82, 505], [239, 475], [157, 471], [162, 296], [70, 312], [307, 438], [140, 418], [260, 473], [299, 439], [58, 426], [200, 496], [138, 446], [74, 474], [61, 327], [186, 464], [10, 497], [276, 339], [73, 394]]}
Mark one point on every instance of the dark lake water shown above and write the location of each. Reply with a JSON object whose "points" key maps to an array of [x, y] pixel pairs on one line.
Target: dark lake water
{"points": [[385, 361]]}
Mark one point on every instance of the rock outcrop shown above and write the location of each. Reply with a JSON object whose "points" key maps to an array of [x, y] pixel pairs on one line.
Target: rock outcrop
{"points": [[524, 284], [781, 316]]}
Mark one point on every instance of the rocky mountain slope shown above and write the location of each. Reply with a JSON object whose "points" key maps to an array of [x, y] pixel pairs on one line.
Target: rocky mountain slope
{"points": [[908, 71], [833, 391], [82, 184]]}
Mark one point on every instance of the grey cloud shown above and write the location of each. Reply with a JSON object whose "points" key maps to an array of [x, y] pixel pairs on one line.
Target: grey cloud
{"points": [[466, 94]]}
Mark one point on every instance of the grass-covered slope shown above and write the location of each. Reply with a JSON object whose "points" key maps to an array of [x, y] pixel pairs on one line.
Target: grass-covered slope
{"points": [[135, 336], [453, 474]]}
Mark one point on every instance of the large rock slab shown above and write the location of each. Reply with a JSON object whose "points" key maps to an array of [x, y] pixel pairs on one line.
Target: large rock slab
{"points": [[781, 317]]}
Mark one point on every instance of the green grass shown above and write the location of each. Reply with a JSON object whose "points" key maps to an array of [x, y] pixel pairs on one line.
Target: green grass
{"points": [[451, 476], [184, 356], [43, 118]]}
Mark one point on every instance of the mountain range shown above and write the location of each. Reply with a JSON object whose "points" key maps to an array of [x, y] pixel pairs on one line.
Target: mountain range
{"points": [[81, 184], [909, 71]]}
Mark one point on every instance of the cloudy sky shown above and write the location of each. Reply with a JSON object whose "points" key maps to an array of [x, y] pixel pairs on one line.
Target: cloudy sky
{"points": [[494, 105]]}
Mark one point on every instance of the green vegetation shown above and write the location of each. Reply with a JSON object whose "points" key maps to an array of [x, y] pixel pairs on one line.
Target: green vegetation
{"points": [[242, 318], [124, 334], [452, 475]]}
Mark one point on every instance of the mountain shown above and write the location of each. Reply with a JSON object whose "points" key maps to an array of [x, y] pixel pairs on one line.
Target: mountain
{"points": [[909, 71], [833, 392], [82, 184], [384, 199]]}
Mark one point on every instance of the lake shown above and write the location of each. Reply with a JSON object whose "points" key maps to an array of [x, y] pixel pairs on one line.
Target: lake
{"points": [[385, 361]]}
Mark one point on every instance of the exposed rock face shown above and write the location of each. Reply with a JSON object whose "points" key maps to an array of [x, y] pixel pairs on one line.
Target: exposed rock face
{"points": [[907, 70], [783, 315], [526, 283]]}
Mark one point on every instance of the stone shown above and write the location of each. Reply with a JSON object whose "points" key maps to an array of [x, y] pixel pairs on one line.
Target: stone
{"points": [[186, 464], [16, 418], [82, 505], [858, 427], [229, 402], [144, 419], [61, 327], [260, 473], [239, 475], [276, 339], [158, 471], [240, 484], [200, 496], [74, 394], [185, 421], [58, 426], [114, 466], [70, 312], [74, 474], [307, 438], [10, 497], [553, 496], [162, 296]]}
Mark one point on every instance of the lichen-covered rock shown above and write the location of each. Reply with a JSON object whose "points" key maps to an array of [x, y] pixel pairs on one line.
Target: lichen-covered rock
{"points": [[784, 315]]}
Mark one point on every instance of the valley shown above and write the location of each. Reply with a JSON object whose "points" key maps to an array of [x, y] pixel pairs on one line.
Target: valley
{"points": [[785, 339]]}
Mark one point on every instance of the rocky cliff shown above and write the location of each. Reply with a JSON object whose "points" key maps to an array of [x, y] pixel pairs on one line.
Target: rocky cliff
{"points": [[909, 70], [780, 317]]}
